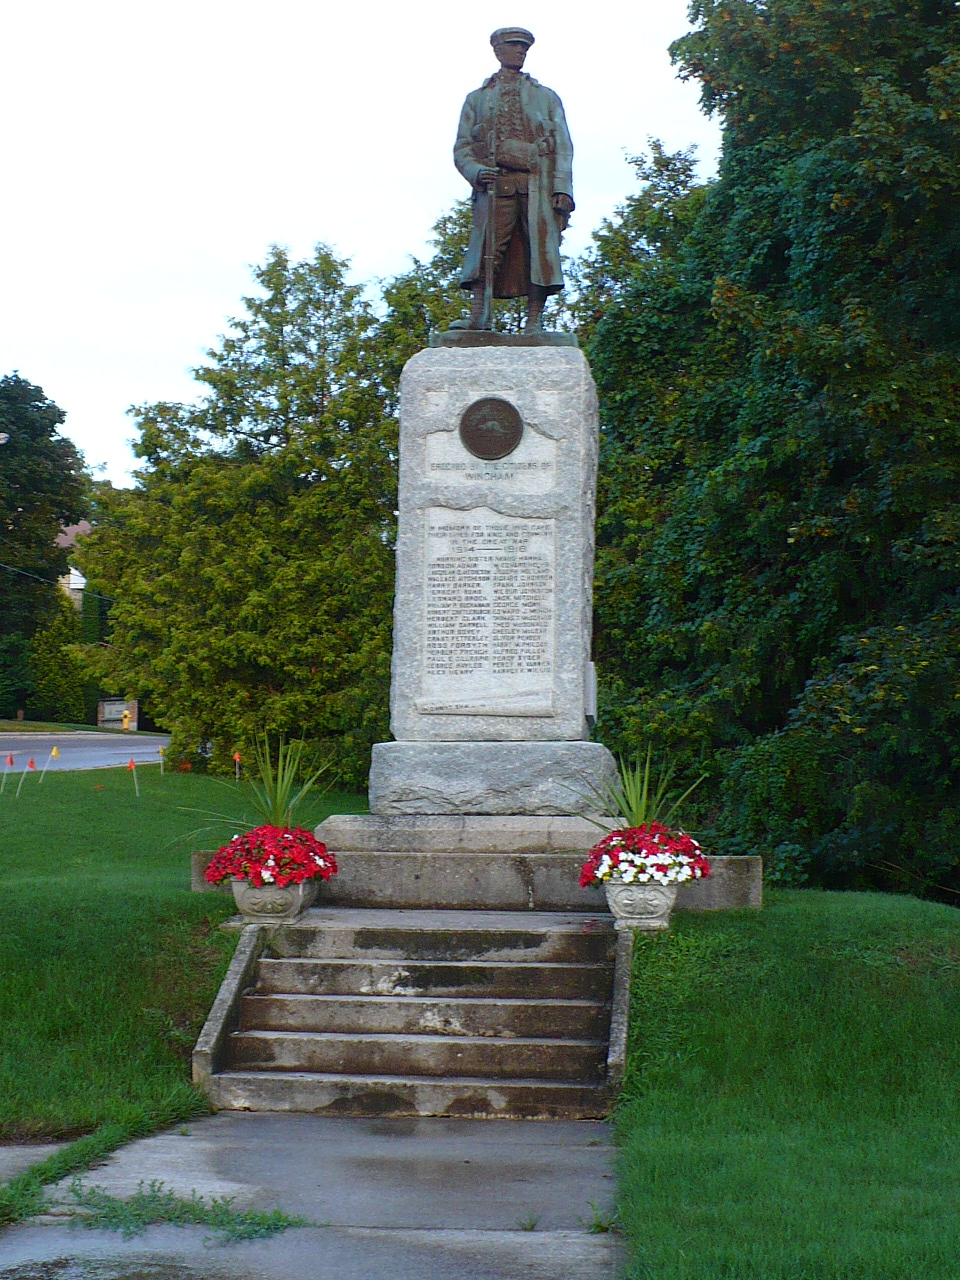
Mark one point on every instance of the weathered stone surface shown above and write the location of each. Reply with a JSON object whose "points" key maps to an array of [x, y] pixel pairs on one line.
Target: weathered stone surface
{"points": [[450, 833], [223, 1016], [413, 863], [495, 558], [421, 1054], [508, 778], [413, 1015], [392, 1095], [487, 338], [732, 883], [448, 979], [378, 933], [620, 1011], [369, 1008]]}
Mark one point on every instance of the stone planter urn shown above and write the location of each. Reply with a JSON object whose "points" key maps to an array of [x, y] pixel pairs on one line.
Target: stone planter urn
{"points": [[645, 907], [271, 904]]}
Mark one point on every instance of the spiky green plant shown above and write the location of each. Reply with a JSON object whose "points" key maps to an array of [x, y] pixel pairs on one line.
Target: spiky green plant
{"points": [[635, 800], [278, 793]]}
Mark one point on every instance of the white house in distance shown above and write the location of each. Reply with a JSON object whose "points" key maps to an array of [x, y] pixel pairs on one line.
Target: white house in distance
{"points": [[73, 581]]}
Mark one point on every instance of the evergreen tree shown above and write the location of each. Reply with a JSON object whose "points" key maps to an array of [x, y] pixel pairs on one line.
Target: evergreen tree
{"points": [[251, 566], [58, 684]]}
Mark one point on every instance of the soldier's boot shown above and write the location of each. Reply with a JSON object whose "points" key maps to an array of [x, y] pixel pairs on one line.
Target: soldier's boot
{"points": [[535, 302], [476, 319]]}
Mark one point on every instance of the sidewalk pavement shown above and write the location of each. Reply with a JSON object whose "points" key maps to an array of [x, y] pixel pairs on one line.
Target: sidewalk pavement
{"points": [[419, 1199]]}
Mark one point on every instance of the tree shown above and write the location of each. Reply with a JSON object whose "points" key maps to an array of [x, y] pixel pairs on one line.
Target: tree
{"points": [[424, 299], [43, 487], [59, 687], [781, 398], [251, 565]]}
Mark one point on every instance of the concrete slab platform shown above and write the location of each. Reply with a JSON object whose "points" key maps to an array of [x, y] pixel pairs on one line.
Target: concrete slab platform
{"points": [[418, 1199], [166, 1253]]}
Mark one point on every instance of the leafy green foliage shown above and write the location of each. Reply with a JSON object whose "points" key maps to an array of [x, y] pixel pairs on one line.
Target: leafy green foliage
{"points": [[781, 404], [42, 488], [252, 564]]}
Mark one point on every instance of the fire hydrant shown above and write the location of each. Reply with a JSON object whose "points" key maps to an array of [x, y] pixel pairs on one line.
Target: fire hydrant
{"points": [[126, 719]]}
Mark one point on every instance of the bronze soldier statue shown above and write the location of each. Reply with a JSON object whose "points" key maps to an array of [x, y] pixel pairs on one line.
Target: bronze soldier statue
{"points": [[514, 149]]}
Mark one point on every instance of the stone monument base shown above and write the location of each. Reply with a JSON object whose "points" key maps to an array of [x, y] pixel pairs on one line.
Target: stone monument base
{"points": [[515, 778], [508, 863]]}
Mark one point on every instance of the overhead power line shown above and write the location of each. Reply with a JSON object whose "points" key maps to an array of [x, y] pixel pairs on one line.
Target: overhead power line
{"points": [[53, 582]]}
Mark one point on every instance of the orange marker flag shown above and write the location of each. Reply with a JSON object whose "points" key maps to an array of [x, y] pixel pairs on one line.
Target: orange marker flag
{"points": [[31, 764], [9, 766], [132, 768], [236, 761]]}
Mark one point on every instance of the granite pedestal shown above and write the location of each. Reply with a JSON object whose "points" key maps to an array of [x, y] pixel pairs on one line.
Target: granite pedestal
{"points": [[493, 690]]}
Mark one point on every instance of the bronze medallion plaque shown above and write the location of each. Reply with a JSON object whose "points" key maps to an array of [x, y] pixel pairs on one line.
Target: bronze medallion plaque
{"points": [[491, 428]]}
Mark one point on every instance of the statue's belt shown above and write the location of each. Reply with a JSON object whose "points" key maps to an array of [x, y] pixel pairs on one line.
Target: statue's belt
{"points": [[511, 183]]}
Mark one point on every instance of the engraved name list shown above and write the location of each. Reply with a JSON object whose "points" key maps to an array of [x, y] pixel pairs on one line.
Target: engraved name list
{"points": [[488, 641]]}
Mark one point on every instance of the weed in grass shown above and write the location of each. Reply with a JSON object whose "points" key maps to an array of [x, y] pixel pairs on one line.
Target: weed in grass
{"points": [[528, 1222], [601, 1220], [22, 1197], [94, 1209]]}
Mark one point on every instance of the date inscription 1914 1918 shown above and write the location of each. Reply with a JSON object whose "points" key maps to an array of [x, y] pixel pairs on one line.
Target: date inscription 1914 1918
{"points": [[491, 428]]}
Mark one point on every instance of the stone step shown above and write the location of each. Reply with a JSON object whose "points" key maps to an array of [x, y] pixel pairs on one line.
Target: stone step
{"points": [[412, 1015], [330, 932], [389, 1095], [423, 1055], [433, 977]]}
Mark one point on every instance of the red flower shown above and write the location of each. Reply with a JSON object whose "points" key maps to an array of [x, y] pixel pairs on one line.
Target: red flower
{"points": [[272, 855]]}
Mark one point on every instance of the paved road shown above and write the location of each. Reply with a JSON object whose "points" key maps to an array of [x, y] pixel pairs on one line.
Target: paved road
{"points": [[385, 1200], [80, 750]]}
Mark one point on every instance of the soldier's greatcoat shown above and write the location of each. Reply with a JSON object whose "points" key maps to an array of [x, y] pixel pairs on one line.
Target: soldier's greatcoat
{"points": [[550, 173]]}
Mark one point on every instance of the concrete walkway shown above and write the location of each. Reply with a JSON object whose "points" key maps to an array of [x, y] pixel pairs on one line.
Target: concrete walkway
{"points": [[427, 1199]]}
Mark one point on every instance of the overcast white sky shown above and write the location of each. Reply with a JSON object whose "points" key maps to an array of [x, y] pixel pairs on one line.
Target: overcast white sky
{"points": [[154, 151]]}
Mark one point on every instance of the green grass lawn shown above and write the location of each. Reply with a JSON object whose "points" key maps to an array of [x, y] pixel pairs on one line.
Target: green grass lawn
{"points": [[109, 962], [790, 1110]]}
